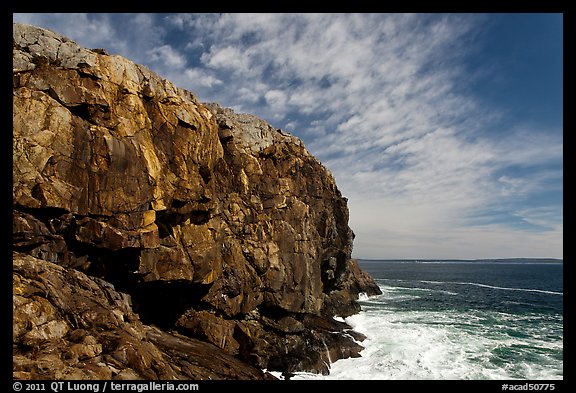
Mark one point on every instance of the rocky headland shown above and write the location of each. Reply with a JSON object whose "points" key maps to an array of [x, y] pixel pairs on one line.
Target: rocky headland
{"points": [[157, 237]]}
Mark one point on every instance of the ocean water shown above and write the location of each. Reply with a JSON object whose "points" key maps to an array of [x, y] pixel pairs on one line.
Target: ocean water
{"points": [[458, 320]]}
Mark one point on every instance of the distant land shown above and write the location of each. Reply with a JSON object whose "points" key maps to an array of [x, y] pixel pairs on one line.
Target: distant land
{"points": [[491, 260]]}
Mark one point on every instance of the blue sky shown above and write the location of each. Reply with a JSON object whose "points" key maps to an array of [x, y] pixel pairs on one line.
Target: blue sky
{"points": [[444, 131]]}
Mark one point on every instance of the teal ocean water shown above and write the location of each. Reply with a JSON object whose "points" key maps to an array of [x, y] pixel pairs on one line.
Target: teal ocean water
{"points": [[459, 320]]}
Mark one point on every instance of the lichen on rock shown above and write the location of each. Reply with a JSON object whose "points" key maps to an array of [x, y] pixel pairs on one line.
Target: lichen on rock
{"points": [[172, 226]]}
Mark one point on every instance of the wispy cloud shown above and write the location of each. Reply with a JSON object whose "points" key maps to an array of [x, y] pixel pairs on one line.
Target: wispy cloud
{"points": [[383, 101], [167, 57]]}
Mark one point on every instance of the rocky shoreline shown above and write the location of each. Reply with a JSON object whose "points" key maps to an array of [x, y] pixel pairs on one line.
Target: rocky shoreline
{"points": [[157, 237]]}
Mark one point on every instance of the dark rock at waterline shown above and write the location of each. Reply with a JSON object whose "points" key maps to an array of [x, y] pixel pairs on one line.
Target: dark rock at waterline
{"points": [[157, 237]]}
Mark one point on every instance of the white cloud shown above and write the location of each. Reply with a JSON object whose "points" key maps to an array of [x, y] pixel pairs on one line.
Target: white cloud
{"points": [[247, 95], [543, 216], [277, 100], [167, 57], [391, 228], [228, 58], [199, 77]]}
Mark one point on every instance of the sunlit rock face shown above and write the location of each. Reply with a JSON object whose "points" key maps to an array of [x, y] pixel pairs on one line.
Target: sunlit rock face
{"points": [[177, 222]]}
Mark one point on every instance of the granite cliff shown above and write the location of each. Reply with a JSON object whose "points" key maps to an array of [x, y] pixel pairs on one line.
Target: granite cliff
{"points": [[157, 237]]}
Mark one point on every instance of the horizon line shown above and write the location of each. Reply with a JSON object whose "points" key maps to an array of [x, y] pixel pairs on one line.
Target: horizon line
{"points": [[459, 259]]}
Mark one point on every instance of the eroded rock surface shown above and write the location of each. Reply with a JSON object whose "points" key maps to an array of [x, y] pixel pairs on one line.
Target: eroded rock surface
{"points": [[68, 325], [183, 225]]}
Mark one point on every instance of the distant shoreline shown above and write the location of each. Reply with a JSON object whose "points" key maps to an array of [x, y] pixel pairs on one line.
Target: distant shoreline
{"points": [[483, 260]]}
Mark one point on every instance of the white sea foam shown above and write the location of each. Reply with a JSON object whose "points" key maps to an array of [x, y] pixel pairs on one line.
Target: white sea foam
{"points": [[492, 287], [477, 285], [445, 345], [362, 296]]}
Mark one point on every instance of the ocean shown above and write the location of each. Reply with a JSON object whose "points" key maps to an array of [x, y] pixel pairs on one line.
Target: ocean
{"points": [[458, 320]]}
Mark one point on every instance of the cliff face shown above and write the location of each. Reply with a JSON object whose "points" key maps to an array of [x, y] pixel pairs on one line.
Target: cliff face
{"points": [[152, 232]]}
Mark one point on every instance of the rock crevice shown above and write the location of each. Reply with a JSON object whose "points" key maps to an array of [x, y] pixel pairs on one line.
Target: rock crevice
{"points": [[177, 230]]}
